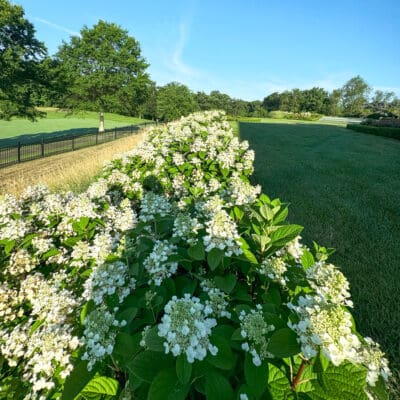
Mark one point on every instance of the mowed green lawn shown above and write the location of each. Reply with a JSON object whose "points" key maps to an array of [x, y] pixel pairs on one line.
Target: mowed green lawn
{"points": [[58, 123], [344, 188]]}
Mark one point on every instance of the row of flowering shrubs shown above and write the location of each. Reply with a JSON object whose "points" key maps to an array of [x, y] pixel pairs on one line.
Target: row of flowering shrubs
{"points": [[171, 277]]}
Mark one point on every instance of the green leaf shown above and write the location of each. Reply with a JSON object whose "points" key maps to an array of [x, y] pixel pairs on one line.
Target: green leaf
{"points": [[256, 377], [8, 248], [197, 251], [266, 212], [183, 369], [278, 383], [281, 215], [284, 234], [249, 256], [307, 259], [166, 386], [128, 314], [224, 359], [226, 283], [283, 343], [77, 380], [147, 364], [100, 385], [238, 213], [52, 252], [345, 382], [127, 345], [214, 258], [153, 341], [321, 363], [218, 387]]}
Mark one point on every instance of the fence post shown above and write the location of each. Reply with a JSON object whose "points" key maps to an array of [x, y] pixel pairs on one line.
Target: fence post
{"points": [[115, 132], [73, 142], [131, 129], [19, 152], [42, 147], [97, 137]]}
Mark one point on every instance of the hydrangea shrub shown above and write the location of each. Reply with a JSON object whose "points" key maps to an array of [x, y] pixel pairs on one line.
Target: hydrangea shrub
{"points": [[172, 277]]}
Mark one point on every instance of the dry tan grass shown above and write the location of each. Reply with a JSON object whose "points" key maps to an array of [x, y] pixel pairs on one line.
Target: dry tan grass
{"points": [[69, 171]]}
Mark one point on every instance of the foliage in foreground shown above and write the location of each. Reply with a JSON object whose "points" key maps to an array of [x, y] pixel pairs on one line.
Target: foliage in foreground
{"points": [[171, 276]]}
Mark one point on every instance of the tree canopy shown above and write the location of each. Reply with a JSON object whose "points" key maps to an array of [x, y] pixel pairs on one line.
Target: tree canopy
{"points": [[104, 69], [21, 56], [175, 100], [355, 96]]}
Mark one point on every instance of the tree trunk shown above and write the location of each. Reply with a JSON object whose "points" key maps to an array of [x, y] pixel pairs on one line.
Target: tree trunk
{"points": [[101, 123]]}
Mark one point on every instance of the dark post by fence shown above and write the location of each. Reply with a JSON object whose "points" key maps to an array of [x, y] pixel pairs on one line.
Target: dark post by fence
{"points": [[73, 143], [97, 137], [42, 148], [131, 129], [19, 152], [115, 133]]}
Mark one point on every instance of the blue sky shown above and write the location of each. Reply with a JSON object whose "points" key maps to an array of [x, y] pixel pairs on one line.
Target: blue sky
{"points": [[246, 48]]}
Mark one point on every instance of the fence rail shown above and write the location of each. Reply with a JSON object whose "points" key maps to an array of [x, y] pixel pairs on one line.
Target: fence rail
{"points": [[48, 146]]}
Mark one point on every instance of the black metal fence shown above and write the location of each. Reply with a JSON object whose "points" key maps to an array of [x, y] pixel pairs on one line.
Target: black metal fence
{"points": [[48, 146]]}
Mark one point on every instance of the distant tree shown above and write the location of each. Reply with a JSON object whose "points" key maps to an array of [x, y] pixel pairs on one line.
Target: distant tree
{"points": [[394, 106], [256, 109], [381, 100], [175, 100], [221, 101], [149, 108], [313, 100], [272, 102], [21, 55], [203, 101], [332, 103], [105, 70], [355, 97]]}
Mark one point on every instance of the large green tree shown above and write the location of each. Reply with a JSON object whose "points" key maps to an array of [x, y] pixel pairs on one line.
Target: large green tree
{"points": [[355, 96], [104, 70], [175, 100], [21, 56]]}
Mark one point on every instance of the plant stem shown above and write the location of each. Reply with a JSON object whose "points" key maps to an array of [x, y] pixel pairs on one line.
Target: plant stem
{"points": [[297, 378]]}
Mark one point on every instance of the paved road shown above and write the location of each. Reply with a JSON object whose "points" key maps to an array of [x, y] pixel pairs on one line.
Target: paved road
{"points": [[342, 120]]}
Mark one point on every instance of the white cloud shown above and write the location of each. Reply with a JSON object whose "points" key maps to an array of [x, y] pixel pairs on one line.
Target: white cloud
{"points": [[176, 63], [56, 26]]}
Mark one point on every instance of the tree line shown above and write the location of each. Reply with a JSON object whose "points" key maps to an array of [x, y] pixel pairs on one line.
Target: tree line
{"points": [[103, 70]]}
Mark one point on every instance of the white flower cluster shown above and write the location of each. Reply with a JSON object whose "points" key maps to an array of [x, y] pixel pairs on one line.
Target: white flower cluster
{"points": [[255, 329], [217, 300], [222, 234], [10, 303], [188, 141], [49, 301], [325, 326], [21, 262], [186, 326], [99, 335], [373, 358], [186, 228], [108, 279], [153, 204], [241, 192], [157, 264], [275, 268], [44, 351], [295, 248], [329, 283]]}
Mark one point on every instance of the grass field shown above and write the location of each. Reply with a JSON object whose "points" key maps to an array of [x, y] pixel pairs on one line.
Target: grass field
{"points": [[58, 123], [344, 189]]}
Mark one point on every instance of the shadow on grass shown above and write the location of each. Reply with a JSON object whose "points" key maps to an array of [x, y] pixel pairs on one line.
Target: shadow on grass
{"points": [[38, 137]]}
